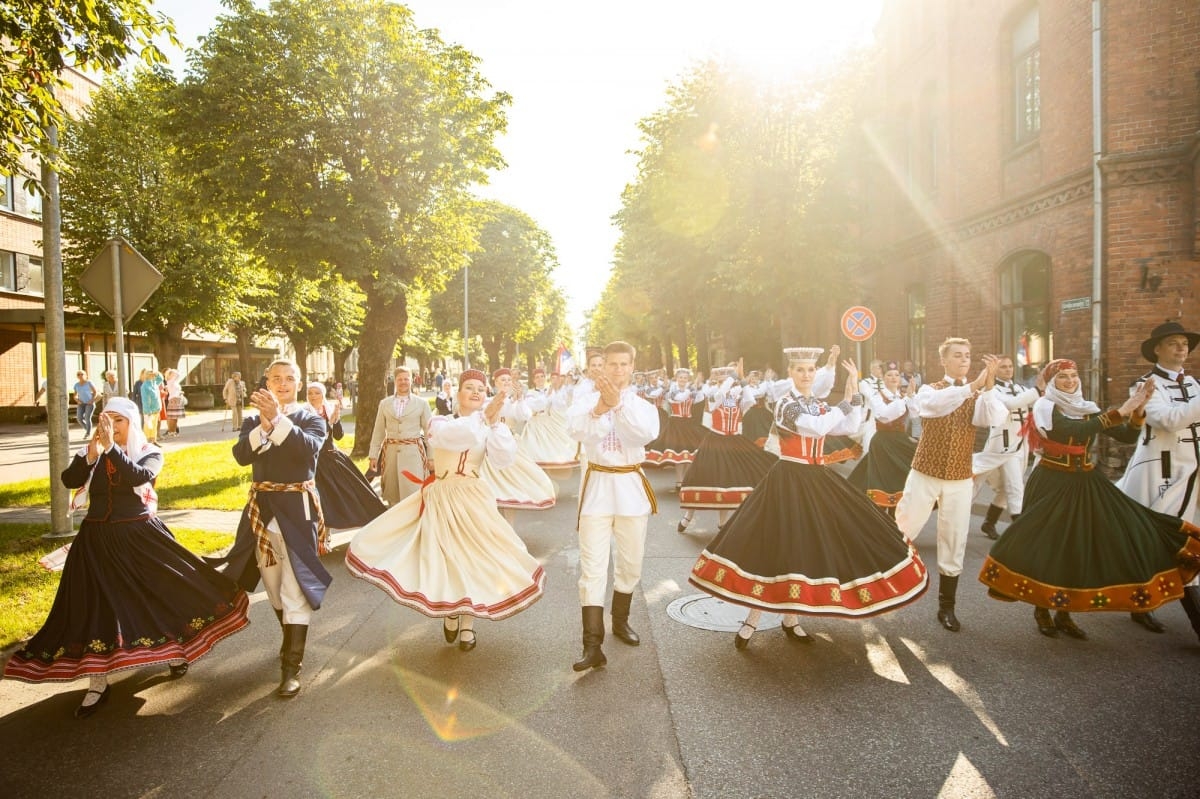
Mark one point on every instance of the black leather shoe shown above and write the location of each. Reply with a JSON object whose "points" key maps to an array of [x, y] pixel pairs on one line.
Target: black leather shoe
{"points": [[1148, 621], [467, 644], [83, 711], [178, 670], [989, 529], [948, 620], [1064, 622], [683, 524], [1045, 625], [451, 635], [740, 641], [792, 635]]}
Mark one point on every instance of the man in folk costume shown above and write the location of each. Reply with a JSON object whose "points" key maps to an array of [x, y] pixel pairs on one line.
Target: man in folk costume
{"points": [[594, 367], [1002, 462], [398, 440], [282, 533], [950, 411], [1164, 471], [614, 425]]}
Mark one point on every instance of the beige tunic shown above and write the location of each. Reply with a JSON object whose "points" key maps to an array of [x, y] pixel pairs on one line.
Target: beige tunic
{"points": [[398, 442]]}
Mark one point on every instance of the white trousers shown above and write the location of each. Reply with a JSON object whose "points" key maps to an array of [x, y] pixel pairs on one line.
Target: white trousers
{"points": [[953, 498], [597, 534], [283, 589], [1005, 477]]}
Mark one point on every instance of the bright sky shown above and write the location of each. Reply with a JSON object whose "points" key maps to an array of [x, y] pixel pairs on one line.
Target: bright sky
{"points": [[581, 76]]}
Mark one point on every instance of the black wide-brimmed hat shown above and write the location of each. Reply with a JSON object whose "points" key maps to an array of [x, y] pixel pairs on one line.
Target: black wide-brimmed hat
{"points": [[1168, 328]]}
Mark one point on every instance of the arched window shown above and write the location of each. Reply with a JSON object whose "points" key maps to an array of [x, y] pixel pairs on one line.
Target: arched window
{"points": [[1025, 313]]}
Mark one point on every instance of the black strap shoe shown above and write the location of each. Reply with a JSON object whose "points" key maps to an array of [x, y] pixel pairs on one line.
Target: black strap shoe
{"points": [[1148, 621]]}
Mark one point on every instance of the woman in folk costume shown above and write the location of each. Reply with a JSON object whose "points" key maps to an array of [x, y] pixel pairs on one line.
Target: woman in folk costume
{"points": [[129, 596], [757, 420], [683, 433], [727, 465], [882, 471], [869, 387], [805, 541], [656, 395], [347, 499], [1081, 544], [545, 440], [446, 551], [775, 389], [521, 485]]}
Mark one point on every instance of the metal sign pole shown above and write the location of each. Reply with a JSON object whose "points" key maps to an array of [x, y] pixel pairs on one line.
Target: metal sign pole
{"points": [[118, 316]]}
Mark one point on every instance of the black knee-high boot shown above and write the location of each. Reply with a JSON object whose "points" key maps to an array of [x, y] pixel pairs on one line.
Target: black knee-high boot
{"points": [[593, 637], [620, 619], [947, 588], [989, 524], [294, 636]]}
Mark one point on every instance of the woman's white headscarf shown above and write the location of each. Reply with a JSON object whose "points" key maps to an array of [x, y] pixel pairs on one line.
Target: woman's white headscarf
{"points": [[136, 447], [1072, 405]]}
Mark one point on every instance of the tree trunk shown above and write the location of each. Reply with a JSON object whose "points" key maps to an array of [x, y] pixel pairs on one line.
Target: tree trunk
{"points": [[382, 327], [244, 342], [339, 364], [167, 342], [491, 347], [300, 346]]}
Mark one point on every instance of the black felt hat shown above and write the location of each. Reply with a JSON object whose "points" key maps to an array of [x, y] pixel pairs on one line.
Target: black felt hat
{"points": [[1169, 328]]}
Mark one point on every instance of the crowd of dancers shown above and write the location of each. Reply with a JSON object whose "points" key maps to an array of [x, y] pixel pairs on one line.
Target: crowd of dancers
{"points": [[795, 537]]}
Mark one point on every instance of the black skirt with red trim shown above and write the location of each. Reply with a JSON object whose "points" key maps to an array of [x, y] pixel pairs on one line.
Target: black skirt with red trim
{"points": [[884, 469], [806, 541], [725, 471], [129, 596]]}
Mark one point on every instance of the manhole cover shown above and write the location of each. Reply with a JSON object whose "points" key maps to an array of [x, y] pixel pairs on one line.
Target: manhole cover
{"points": [[709, 613]]}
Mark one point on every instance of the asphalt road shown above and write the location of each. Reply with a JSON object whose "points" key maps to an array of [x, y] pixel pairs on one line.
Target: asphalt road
{"points": [[889, 707]]}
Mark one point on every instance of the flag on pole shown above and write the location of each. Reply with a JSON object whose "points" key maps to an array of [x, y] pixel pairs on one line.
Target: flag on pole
{"points": [[564, 361]]}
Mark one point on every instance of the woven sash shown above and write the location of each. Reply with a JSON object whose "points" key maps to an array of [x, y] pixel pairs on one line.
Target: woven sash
{"points": [[260, 529], [596, 467]]}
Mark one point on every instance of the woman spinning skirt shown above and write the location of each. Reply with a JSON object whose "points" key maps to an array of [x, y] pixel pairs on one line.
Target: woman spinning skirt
{"points": [[806, 541], [1081, 544], [130, 596], [883, 471], [347, 499], [727, 465], [446, 551]]}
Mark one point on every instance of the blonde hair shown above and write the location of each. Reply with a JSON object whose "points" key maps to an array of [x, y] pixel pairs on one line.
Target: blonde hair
{"points": [[950, 342]]}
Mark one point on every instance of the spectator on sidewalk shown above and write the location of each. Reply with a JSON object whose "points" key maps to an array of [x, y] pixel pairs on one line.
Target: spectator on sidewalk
{"points": [[234, 394], [86, 394], [152, 405], [108, 389]]}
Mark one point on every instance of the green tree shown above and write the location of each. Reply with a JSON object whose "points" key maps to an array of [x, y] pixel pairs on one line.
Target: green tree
{"points": [[340, 134], [509, 282], [127, 183], [41, 38]]}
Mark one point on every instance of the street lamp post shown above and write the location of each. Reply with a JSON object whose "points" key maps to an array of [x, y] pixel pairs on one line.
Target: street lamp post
{"points": [[466, 315]]}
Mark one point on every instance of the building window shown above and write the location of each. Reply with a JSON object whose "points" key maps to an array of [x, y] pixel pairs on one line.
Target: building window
{"points": [[1025, 313], [916, 325], [1026, 76], [33, 203], [929, 138], [8, 271], [6, 192], [36, 282]]}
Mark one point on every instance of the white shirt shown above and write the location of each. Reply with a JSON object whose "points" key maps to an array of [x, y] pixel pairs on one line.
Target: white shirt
{"points": [[615, 438]]}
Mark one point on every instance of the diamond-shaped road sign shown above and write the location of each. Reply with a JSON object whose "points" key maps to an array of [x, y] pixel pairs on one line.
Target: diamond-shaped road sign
{"points": [[139, 279]]}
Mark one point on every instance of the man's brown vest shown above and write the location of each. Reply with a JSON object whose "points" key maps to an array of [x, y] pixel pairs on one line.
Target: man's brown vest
{"points": [[946, 443]]}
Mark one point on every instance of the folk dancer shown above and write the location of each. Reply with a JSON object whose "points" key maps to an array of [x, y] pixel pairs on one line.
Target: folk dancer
{"points": [[282, 533], [521, 485], [347, 499], [615, 501], [727, 465], [950, 410], [1164, 470], [884, 468], [398, 453], [805, 541], [129, 595], [446, 552], [1002, 462], [1081, 544]]}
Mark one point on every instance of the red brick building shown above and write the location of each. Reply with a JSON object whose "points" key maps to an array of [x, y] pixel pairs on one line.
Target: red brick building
{"points": [[984, 180]]}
